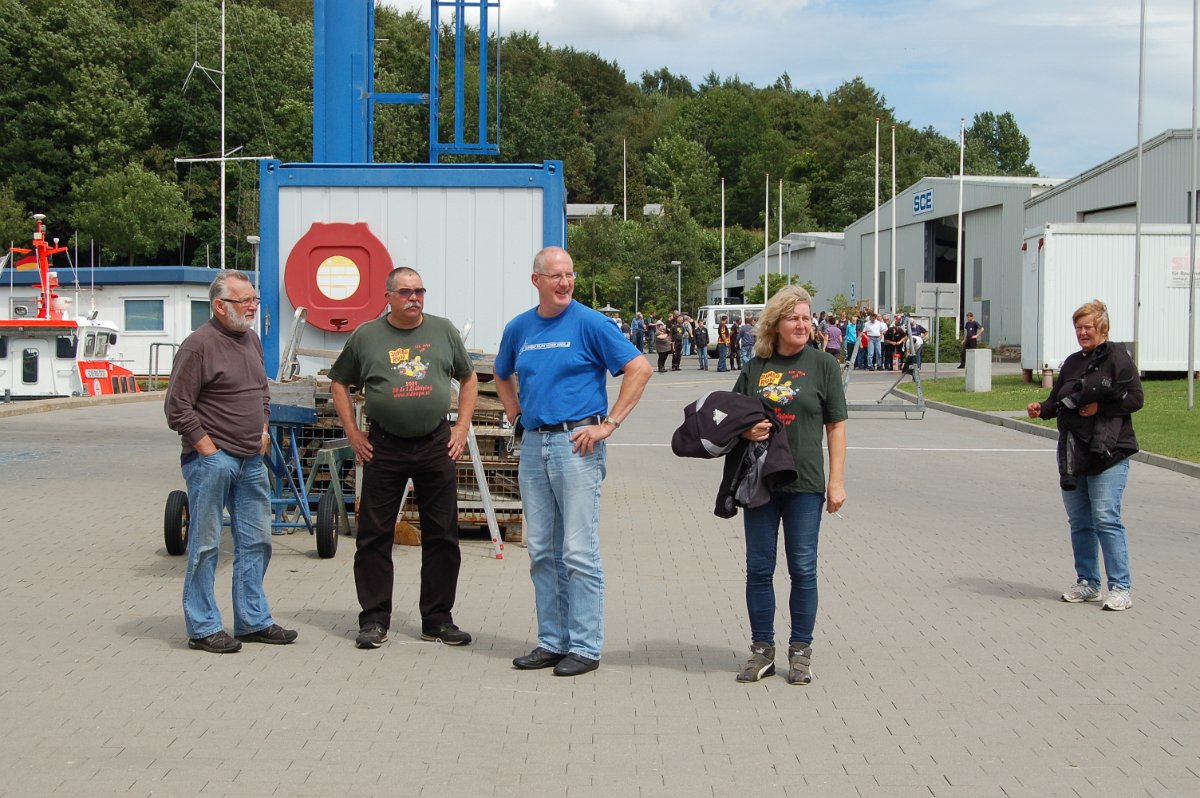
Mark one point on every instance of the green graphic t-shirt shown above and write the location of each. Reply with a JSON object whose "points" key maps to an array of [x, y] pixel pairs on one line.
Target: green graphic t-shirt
{"points": [[404, 374], [805, 391]]}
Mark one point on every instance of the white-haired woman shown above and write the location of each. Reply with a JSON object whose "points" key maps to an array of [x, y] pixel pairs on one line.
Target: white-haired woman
{"points": [[803, 386], [1097, 391]]}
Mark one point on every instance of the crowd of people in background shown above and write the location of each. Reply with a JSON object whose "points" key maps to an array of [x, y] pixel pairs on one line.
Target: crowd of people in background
{"points": [[864, 339]]}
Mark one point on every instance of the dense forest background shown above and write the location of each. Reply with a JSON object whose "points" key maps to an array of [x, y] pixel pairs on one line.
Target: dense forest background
{"points": [[93, 113]]}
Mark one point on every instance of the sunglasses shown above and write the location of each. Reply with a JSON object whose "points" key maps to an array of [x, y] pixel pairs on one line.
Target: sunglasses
{"points": [[409, 293]]}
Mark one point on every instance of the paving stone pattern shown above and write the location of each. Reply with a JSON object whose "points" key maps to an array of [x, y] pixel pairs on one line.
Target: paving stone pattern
{"points": [[945, 664]]}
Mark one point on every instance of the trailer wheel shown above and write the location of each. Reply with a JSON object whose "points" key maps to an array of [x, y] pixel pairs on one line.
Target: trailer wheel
{"points": [[175, 523], [328, 523]]}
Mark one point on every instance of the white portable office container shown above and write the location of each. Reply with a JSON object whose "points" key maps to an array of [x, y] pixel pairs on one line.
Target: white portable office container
{"points": [[1066, 265], [331, 233]]}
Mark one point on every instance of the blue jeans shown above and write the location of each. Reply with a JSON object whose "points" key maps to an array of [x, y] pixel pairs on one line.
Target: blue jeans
{"points": [[747, 352], [1094, 514], [239, 484], [722, 354], [801, 517], [702, 351], [874, 352], [560, 491]]}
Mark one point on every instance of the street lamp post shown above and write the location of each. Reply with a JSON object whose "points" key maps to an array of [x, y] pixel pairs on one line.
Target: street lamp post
{"points": [[637, 283], [678, 285]]}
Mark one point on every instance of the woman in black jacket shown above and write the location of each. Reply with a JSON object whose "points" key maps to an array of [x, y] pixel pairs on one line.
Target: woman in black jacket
{"points": [[1096, 392]]}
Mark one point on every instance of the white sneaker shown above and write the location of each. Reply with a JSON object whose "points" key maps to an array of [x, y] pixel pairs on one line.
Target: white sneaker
{"points": [[1081, 591], [1118, 600]]}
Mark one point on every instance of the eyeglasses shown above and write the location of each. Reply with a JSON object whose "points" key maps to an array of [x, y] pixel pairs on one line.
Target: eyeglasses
{"points": [[558, 278], [409, 293], [254, 300]]}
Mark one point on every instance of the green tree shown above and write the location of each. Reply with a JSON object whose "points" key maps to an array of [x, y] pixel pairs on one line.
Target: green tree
{"points": [[754, 295], [131, 212], [543, 120], [682, 171], [997, 146], [662, 81], [15, 223]]}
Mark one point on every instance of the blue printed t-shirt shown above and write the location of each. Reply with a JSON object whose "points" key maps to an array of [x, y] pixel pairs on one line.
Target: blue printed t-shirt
{"points": [[560, 363]]}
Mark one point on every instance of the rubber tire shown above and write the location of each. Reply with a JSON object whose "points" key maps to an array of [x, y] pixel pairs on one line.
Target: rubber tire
{"points": [[328, 523], [175, 523]]}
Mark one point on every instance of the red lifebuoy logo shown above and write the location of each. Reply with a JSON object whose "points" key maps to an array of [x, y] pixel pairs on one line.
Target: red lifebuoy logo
{"points": [[337, 271]]}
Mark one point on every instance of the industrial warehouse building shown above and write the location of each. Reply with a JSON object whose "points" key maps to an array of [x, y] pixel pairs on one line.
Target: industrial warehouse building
{"points": [[997, 212]]}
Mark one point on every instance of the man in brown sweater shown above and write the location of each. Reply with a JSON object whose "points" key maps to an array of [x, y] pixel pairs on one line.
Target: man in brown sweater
{"points": [[218, 402]]}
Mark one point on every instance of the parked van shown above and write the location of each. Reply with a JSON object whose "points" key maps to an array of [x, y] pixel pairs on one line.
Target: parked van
{"points": [[710, 317]]}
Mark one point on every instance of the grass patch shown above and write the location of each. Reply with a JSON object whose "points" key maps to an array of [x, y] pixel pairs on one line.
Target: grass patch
{"points": [[1163, 426]]}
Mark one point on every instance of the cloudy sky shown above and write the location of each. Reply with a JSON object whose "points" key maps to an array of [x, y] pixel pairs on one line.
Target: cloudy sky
{"points": [[1067, 69]]}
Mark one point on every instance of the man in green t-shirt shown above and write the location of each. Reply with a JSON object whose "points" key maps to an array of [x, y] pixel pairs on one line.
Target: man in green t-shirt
{"points": [[403, 363]]}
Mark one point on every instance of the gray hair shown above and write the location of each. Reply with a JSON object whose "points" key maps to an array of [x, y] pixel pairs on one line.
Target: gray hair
{"points": [[217, 289], [396, 272]]}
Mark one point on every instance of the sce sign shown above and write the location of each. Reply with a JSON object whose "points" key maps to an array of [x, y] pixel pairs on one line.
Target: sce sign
{"points": [[923, 202]]}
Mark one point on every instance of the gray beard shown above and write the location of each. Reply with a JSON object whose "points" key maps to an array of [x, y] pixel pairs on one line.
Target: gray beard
{"points": [[240, 323]]}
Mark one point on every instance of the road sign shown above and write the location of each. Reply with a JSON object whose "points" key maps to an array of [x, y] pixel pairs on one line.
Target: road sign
{"points": [[940, 299]]}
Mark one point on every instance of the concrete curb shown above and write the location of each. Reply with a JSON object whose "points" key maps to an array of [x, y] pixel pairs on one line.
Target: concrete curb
{"points": [[23, 407], [1158, 460]]}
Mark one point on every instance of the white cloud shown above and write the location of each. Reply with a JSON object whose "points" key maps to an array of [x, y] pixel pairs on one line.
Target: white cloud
{"points": [[1067, 69]]}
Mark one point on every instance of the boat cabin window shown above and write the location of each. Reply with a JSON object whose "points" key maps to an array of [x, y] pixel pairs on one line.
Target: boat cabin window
{"points": [[3, 346], [102, 341], [89, 346], [29, 366], [65, 347]]}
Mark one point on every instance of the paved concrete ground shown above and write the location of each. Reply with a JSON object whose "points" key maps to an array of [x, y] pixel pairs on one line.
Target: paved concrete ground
{"points": [[945, 665]]}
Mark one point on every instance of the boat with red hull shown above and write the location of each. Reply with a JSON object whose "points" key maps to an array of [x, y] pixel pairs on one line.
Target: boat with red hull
{"points": [[51, 354]]}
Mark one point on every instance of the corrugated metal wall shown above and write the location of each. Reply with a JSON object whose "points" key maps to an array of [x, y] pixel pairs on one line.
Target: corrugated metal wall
{"points": [[474, 247], [470, 230], [1166, 170]]}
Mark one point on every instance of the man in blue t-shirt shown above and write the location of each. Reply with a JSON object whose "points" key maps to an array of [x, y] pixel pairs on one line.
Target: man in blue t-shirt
{"points": [[550, 375]]}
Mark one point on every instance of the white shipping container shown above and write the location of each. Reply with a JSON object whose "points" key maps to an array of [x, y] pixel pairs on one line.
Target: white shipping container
{"points": [[330, 233], [1067, 265]]}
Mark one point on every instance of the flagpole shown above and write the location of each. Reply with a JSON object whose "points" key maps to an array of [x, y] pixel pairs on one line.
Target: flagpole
{"points": [[767, 244], [722, 241], [781, 227], [1191, 367], [625, 180], [895, 291], [875, 241], [1137, 222], [958, 253]]}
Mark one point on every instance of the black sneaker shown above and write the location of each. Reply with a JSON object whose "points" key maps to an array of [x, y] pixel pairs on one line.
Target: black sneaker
{"points": [[216, 643], [274, 635], [372, 635], [448, 633]]}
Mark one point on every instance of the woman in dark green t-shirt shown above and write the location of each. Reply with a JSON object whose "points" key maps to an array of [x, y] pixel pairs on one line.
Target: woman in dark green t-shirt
{"points": [[803, 386]]}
